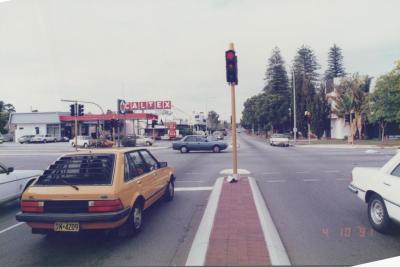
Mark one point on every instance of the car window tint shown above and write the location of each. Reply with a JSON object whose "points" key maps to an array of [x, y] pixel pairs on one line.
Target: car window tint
{"points": [[396, 171], [139, 163], [190, 139], [130, 171], [150, 161]]}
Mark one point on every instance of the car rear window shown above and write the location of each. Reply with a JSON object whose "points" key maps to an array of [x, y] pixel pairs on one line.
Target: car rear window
{"points": [[80, 170]]}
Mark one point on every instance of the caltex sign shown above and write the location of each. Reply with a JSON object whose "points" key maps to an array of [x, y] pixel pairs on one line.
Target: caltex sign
{"points": [[124, 106]]}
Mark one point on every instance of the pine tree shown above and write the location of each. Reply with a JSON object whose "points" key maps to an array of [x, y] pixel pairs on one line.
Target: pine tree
{"points": [[305, 67], [277, 100], [335, 63], [276, 76]]}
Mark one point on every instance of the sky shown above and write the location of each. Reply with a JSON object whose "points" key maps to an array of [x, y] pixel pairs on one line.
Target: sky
{"points": [[102, 50]]}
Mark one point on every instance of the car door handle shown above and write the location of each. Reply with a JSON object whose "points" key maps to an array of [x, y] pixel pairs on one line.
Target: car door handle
{"points": [[387, 184]]}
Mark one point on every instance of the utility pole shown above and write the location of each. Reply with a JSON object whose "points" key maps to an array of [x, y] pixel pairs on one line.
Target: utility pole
{"points": [[76, 126]]}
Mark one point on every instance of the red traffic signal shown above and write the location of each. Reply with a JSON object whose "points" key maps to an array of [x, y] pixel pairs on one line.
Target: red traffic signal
{"points": [[231, 67]]}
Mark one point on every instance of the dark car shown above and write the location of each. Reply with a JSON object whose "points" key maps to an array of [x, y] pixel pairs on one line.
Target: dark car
{"points": [[198, 143]]}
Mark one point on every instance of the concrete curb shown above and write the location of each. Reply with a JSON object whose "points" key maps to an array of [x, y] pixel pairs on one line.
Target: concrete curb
{"points": [[198, 251], [275, 246]]}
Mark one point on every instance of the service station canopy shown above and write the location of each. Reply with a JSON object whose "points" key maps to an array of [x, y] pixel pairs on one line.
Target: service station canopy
{"points": [[107, 117]]}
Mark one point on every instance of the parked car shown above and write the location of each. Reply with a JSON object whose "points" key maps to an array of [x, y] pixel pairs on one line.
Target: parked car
{"points": [[144, 141], [14, 182], [98, 190], [25, 139], [218, 135], [62, 139], [197, 143], [379, 188], [82, 141], [41, 138], [279, 140]]}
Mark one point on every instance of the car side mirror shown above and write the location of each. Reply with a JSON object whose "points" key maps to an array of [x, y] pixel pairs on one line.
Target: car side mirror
{"points": [[162, 164], [10, 170]]}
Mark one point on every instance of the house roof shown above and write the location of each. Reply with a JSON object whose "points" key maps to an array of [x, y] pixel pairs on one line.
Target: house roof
{"points": [[36, 117]]}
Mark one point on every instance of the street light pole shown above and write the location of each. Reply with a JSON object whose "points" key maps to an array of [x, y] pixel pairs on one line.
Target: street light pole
{"points": [[294, 108]]}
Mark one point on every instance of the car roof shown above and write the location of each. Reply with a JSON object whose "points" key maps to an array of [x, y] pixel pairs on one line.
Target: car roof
{"points": [[121, 150]]}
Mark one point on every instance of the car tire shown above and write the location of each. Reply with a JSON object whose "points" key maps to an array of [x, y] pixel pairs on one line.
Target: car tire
{"points": [[135, 219], [184, 149], [169, 191], [216, 149], [148, 143], [377, 215]]}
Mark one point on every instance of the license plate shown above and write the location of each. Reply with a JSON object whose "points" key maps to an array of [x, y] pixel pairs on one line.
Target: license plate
{"points": [[66, 227]]}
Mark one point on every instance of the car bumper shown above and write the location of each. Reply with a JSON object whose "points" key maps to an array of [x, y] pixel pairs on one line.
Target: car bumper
{"points": [[72, 217], [352, 188]]}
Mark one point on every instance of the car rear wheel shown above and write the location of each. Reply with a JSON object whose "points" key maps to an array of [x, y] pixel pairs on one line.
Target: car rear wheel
{"points": [[377, 215], [184, 149], [169, 191], [135, 219], [216, 149]]}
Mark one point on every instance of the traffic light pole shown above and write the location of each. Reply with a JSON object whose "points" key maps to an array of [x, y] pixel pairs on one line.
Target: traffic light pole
{"points": [[234, 137], [76, 125]]}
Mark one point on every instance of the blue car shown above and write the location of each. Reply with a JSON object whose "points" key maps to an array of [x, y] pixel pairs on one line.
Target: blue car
{"points": [[198, 143]]}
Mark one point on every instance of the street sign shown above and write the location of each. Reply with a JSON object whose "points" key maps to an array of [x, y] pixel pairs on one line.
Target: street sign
{"points": [[124, 106]]}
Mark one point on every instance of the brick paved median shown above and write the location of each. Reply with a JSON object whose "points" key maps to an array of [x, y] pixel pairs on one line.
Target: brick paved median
{"points": [[237, 237]]}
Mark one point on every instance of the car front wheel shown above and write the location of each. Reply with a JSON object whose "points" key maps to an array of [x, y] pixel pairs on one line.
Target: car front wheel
{"points": [[216, 149], [169, 191], [184, 149], [377, 215]]}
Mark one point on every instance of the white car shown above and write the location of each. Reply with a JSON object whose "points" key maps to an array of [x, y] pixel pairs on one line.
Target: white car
{"points": [[380, 189], [41, 138], [279, 140], [13, 183], [144, 141], [82, 141]]}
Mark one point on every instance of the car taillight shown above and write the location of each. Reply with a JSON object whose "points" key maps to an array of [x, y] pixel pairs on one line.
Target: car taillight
{"points": [[32, 206], [105, 205]]}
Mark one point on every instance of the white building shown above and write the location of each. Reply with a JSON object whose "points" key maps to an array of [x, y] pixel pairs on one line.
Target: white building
{"points": [[36, 123], [339, 128]]}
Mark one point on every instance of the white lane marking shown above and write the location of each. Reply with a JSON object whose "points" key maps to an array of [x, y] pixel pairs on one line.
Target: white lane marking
{"points": [[275, 246], [198, 250], [342, 179], [198, 188], [311, 180], [230, 171], [271, 172], [302, 172], [331, 171], [276, 181], [11, 227]]}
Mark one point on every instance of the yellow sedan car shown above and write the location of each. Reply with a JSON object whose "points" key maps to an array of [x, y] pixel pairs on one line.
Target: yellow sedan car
{"points": [[96, 189]]}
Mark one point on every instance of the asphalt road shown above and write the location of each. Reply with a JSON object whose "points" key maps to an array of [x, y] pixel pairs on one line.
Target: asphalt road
{"points": [[169, 228], [320, 222]]}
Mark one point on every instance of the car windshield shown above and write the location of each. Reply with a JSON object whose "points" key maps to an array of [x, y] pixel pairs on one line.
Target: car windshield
{"points": [[79, 170]]}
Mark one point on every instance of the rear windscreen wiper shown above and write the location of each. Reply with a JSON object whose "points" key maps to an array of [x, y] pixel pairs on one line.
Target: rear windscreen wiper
{"points": [[67, 183]]}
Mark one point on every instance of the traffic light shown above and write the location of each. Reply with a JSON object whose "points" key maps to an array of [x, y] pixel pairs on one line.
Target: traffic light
{"points": [[231, 67], [72, 109], [80, 110]]}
